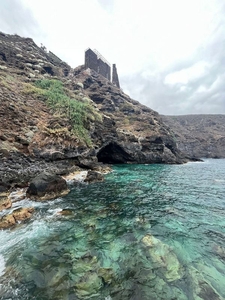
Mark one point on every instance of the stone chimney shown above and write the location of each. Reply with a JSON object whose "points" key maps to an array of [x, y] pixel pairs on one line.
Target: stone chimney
{"points": [[115, 78]]}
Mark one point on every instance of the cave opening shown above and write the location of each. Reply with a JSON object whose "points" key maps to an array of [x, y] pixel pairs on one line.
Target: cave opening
{"points": [[3, 56], [49, 70], [113, 154]]}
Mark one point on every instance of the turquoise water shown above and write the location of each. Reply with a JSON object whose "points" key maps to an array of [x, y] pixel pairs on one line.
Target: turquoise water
{"points": [[147, 232]]}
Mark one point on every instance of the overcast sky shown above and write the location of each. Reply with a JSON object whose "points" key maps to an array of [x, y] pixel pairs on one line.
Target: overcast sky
{"points": [[170, 54]]}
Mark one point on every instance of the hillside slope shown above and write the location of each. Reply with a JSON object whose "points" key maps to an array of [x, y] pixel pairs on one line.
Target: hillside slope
{"points": [[199, 135], [55, 117]]}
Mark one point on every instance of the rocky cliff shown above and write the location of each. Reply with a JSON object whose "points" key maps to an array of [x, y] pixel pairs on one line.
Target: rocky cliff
{"points": [[55, 117], [199, 135]]}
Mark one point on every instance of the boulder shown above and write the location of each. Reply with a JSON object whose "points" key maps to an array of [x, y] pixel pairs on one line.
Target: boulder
{"points": [[107, 274], [89, 284], [93, 176], [5, 202], [47, 186], [202, 289], [7, 221], [17, 215], [22, 214]]}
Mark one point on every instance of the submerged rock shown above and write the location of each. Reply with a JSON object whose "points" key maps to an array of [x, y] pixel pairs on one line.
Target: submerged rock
{"points": [[89, 285], [201, 288], [66, 212], [220, 251], [163, 257], [47, 186], [107, 275]]}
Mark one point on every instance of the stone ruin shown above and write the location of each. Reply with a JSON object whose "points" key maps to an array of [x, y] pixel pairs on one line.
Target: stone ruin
{"points": [[95, 61]]}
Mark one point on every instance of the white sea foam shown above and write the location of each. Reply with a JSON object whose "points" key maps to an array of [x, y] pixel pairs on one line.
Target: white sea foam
{"points": [[219, 180], [17, 195], [2, 265], [54, 211], [77, 176]]}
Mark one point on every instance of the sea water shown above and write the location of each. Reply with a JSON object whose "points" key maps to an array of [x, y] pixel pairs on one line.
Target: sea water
{"points": [[146, 232]]}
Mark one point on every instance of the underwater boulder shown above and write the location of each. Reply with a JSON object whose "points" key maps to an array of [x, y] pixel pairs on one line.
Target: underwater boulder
{"points": [[201, 288], [89, 285], [163, 257], [107, 274]]}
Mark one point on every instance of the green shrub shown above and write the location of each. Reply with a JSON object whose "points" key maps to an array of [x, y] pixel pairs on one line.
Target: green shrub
{"points": [[79, 113]]}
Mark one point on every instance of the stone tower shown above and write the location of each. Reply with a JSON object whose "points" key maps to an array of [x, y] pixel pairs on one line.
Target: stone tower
{"points": [[115, 78], [95, 61]]}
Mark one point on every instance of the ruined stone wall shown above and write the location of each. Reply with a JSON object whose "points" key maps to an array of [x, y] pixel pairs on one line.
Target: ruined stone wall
{"points": [[96, 62], [104, 69], [91, 60]]}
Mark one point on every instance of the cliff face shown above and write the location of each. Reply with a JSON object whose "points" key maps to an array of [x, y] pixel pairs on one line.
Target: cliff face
{"points": [[55, 117], [199, 135]]}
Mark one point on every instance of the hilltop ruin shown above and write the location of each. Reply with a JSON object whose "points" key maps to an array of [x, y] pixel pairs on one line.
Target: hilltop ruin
{"points": [[95, 61]]}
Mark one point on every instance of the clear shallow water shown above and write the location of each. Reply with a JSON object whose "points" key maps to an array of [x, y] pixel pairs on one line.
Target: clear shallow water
{"points": [[147, 232]]}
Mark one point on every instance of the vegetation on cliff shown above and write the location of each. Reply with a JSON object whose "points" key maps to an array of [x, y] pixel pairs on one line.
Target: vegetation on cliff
{"points": [[77, 109]]}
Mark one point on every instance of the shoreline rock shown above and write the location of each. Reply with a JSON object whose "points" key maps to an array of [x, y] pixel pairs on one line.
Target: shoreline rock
{"points": [[20, 214], [5, 201], [47, 186]]}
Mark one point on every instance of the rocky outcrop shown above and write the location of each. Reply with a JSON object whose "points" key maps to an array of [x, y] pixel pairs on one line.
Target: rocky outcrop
{"points": [[200, 136], [20, 214], [5, 202], [47, 186], [36, 137]]}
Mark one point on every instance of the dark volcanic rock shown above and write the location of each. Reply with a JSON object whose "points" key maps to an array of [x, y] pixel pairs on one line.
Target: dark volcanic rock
{"points": [[47, 186]]}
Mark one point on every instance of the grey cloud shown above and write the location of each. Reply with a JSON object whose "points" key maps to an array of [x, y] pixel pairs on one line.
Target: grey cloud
{"points": [[17, 19], [107, 5], [169, 99]]}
